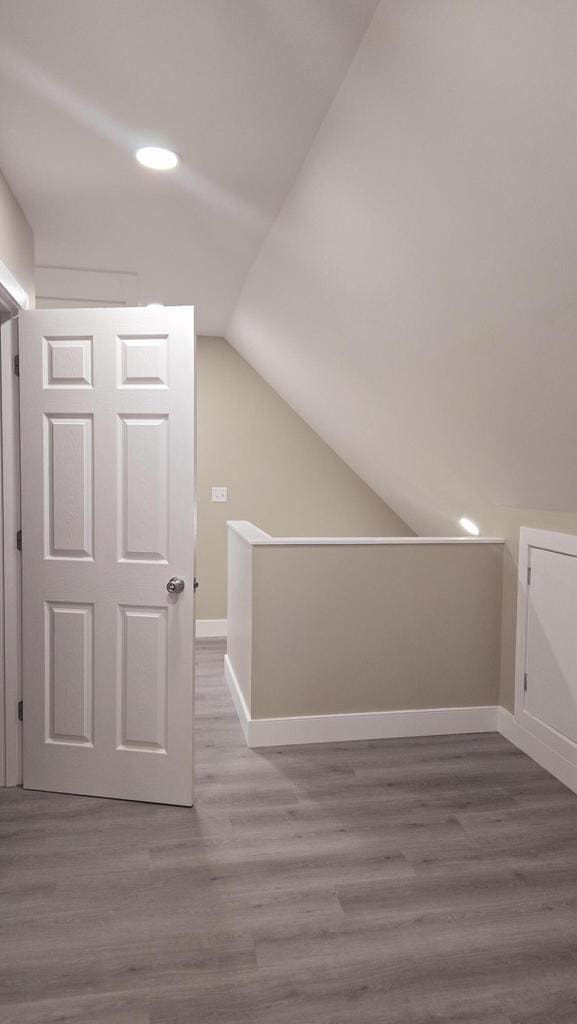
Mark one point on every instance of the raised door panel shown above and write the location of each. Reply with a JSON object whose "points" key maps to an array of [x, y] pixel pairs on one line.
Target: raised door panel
{"points": [[67, 362], [143, 488], [143, 361], [69, 660], [142, 678], [68, 486]]}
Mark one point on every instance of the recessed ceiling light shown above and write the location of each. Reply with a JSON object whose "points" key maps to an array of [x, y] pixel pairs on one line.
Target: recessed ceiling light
{"points": [[469, 526], [156, 158]]}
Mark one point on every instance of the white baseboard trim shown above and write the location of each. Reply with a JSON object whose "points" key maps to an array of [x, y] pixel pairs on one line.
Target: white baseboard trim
{"points": [[277, 732], [549, 759], [237, 698], [369, 725], [211, 627]]}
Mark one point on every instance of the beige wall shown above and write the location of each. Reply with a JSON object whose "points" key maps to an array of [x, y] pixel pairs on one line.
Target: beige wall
{"points": [[16, 240], [360, 628], [278, 471], [508, 521]]}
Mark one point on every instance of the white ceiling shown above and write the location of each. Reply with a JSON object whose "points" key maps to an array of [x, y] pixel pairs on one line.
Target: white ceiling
{"points": [[237, 87]]}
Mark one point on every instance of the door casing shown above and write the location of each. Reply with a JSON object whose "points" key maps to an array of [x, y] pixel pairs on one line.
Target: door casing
{"points": [[13, 299]]}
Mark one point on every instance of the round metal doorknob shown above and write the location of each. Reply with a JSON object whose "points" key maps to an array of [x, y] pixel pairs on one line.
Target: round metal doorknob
{"points": [[175, 585]]}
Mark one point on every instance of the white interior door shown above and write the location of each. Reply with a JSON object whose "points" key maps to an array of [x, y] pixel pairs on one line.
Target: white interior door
{"points": [[108, 517], [551, 653]]}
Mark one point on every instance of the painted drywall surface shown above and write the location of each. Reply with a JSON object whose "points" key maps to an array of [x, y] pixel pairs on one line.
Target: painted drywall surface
{"points": [[278, 472], [415, 299], [507, 524], [16, 240], [353, 629]]}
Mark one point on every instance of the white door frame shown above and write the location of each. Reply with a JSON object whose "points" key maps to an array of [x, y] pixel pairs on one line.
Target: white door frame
{"points": [[13, 298]]}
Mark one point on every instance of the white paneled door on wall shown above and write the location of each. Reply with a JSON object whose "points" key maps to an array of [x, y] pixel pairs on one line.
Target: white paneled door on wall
{"points": [[107, 427], [551, 652]]}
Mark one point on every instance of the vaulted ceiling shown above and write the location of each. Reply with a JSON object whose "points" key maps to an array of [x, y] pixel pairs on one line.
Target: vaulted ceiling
{"points": [[237, 87], [380, 214]]}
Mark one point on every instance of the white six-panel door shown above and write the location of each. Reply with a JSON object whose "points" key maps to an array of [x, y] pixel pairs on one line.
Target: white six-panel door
{"points": [[108, 517]]}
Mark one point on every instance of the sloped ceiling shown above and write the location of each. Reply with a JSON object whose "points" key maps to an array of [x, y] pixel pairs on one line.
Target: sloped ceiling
{"points": [[415, 300], [237, 87]]}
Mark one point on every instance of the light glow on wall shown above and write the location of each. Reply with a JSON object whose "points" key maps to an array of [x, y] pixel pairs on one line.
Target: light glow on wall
{"points": [[469, 526]]}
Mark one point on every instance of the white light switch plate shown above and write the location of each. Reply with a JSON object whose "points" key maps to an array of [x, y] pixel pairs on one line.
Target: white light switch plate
{"points": [[220, 494]]}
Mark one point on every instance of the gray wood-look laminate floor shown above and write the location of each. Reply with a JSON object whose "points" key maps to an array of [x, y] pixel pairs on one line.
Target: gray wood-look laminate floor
{"points": [[397, 882]]}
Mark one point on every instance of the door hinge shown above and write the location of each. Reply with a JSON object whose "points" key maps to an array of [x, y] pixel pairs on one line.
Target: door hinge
{"points": [[16, 366], [196, 584], [529, 576], [525, 683], [20, 710], [19, 540]]}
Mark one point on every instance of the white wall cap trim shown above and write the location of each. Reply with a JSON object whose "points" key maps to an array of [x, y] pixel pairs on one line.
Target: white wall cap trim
{"points": [[257, 538]]}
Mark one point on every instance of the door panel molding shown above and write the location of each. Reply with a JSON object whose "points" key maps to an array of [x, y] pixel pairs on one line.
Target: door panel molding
{"points": [[68, 486], [143, 496], [142, 678], [69, 644]]}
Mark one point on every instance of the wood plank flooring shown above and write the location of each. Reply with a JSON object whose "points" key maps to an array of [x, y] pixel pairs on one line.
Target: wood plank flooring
{"points": [[392, 882]]}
